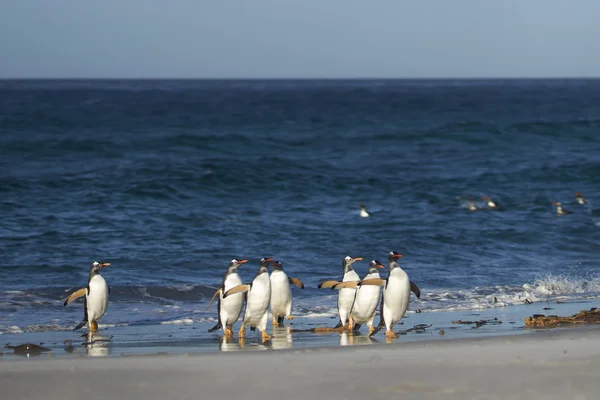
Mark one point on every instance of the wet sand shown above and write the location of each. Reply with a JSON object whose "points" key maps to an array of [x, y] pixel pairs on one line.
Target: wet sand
{"points": [[552, 364]]}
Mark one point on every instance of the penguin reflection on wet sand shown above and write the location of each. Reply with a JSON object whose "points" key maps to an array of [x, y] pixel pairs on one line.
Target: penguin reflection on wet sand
{"points": [[96, 297], [258, 298], [346, 294], [230, 308], [281, 293], [396, 295]]}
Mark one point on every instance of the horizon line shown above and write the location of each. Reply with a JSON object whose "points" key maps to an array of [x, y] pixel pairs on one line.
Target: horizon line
{"points": [[298, 78]]}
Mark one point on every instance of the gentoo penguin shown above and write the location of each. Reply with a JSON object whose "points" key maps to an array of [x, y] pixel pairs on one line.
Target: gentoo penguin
{"points": [[345, 295], [96, 297], [559, 209], [580, 198], [257, 300], [367, 298], [489, 203], [363, 211], [229, 308], [281, 293], [396, 294]]}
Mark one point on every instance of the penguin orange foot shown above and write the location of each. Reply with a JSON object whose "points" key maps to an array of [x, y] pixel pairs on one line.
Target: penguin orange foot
{"points": [[242, 331], [229, 331], [390, 335], [265, 336]]}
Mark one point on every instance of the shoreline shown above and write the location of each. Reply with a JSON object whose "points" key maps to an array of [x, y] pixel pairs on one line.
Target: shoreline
{"points": [[192, 338], [556, 363]]}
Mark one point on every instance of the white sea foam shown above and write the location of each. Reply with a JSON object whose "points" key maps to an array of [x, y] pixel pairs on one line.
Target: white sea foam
{"points": [[182, 321]]}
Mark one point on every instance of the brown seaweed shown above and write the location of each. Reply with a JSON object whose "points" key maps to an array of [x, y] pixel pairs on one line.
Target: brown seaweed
{"points": [[591, 316], [481, 322]]}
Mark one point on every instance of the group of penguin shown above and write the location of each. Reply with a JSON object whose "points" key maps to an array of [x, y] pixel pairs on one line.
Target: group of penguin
{"points": [[494, 205], [357, 299]]}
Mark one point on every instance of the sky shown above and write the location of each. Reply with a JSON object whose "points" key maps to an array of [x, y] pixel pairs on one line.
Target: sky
{"points": [[299, 39]]}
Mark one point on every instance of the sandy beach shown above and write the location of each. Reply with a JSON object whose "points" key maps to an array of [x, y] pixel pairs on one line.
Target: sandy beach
{"points": [[553, 364]]}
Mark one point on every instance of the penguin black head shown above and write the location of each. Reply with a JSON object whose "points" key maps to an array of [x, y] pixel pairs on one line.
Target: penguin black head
{"points": [[233, 266], [263, 265], [277, 265], [374, 265], [96, 267], [348, 261]]}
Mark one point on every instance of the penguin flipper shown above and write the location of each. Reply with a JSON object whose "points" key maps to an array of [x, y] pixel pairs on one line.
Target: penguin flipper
{"points": [[381, 325], [372, 281], [218, 324], [415, 289], [344, 285], [81, 324], [75, 295], [237, 289], [297, 282], [213, 298], [216, 327], [327, 284]]}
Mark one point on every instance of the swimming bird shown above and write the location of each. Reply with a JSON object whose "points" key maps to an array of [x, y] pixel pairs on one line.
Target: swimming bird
{"points": [[396, 294], [367, 298], [471, 206], [489, 203], [96, 297], [229, 309], [281, 293], [580, 198], [345, 295], [257, 300], [363, 211], [559, 209]]}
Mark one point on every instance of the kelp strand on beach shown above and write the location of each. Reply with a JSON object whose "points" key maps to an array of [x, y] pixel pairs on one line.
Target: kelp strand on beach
{"points": [[583, 317]]}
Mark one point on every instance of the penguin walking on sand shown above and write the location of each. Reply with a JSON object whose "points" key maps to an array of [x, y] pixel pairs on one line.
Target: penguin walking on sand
{"points": [[396, 295], [258, 298], [281, 293], [96, 297], [346, 295], [230, 308], [367, 298]]}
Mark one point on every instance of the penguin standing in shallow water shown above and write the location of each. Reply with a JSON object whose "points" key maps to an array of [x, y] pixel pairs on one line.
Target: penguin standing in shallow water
{"points": [[257, 300], [396, 295], [96, 297], [229, 308], [346, 294], [281, 293], [367, 298]]}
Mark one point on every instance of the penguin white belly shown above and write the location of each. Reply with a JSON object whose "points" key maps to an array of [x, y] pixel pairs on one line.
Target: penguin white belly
{"points": [[346, 297], [97, 298], [281, 294], [231, 307], [366, 300], [395, 297], [257, 304]]}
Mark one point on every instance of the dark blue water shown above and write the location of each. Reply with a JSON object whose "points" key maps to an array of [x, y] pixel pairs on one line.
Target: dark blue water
{"points": [[169, 180]]}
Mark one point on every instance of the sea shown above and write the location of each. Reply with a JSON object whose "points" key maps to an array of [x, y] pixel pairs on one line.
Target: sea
{"points": [[168, 180]]}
